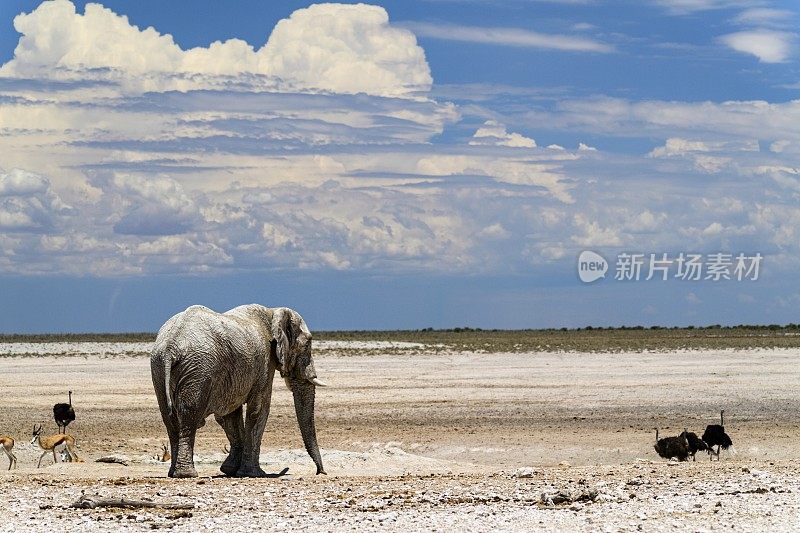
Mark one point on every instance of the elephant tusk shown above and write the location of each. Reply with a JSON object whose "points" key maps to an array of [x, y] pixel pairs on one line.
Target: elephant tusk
{"points": [[318, 383]]}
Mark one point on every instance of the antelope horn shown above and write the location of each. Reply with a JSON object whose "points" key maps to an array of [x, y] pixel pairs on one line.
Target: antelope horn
{"points": [[318, 383]]}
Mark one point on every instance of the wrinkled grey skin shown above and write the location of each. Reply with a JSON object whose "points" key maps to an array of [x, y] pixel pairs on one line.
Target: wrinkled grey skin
{"points": [[204, 363]]}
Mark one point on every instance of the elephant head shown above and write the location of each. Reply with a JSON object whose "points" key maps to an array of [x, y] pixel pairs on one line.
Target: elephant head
{"points": [[291, 346]]}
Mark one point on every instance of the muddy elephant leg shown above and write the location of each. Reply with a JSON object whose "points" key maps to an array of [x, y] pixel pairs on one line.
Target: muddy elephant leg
{"points": [[184, 466], [171, 423], [233, 425], [187, 425], [254, 423]]}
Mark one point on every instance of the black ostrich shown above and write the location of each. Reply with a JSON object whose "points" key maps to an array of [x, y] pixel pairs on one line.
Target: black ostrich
{"points": [[715, 435], [670, 447], [64, 414], [696, 444]]}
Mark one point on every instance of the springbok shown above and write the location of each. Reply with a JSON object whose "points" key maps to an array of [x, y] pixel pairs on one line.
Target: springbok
{"points": [[165, 455], [8, 446], [48, 444]]}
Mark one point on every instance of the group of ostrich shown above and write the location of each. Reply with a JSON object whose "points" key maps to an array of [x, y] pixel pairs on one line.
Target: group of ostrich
{"points": [[681, 447], [63, 414], [688, 443]]}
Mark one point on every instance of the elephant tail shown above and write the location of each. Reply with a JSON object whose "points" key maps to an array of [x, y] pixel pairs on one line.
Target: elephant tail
{"points": [[167, 376]]}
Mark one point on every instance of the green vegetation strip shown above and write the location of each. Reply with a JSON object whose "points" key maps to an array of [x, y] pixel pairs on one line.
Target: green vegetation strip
{"points": [[77, 337], [588, 339], [470, 339]]}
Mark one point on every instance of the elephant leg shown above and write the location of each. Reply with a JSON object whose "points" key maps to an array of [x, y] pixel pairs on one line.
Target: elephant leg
{"points": [[173, 454], [255, 421], [190, 404], [233, 425], [254, 424], [187, 424], [181, 444], [184, 465]]}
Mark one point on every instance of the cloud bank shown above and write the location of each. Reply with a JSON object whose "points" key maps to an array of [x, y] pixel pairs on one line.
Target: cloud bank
{"points": [[325, 47], [325, 149]]}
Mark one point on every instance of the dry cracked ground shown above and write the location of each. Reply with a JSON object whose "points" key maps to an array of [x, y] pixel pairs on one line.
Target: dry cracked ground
{"points": [[427, 441]]}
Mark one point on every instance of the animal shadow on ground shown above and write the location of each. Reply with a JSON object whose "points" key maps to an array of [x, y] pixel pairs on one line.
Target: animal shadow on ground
{"points": [[279, 474]]}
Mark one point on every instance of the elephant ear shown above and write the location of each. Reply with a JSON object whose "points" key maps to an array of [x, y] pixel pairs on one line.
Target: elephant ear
{"points": [[283, 337]]}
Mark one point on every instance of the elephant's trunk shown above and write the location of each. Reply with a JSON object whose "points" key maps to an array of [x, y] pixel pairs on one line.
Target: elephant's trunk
{"points": [[304, 407]]}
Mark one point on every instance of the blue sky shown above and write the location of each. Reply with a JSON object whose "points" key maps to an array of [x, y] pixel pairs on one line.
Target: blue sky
{"points": [[396, 165]]}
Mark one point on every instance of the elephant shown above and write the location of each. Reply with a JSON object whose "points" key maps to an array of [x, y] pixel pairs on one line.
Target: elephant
{"points": [[204, 362]]}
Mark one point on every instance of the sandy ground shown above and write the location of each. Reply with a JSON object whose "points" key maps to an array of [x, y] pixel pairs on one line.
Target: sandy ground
{"points": [[421, 442]]}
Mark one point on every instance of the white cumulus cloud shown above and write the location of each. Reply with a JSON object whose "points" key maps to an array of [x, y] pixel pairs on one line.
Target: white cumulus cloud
{"points": [[328, 47], [492, 133], [346, 48], [150, 206], [768, 46], [708, 156], [28, 204]]}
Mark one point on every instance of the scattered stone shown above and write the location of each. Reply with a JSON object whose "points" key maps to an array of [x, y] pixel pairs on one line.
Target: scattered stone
{"points": [[526, 472], [565, 496]]}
